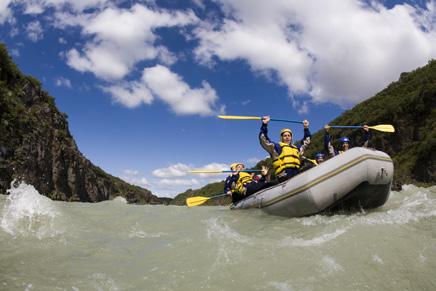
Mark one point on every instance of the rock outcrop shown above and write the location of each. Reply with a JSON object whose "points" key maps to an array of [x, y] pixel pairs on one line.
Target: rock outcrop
{"points": [[37, 147]]}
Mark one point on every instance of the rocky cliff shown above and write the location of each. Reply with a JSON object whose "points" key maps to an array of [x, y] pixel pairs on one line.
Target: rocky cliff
{"points": [[37, 147]]}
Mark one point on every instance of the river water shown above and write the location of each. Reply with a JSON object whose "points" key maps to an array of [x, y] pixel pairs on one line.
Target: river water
{"points": [[48, 245]]}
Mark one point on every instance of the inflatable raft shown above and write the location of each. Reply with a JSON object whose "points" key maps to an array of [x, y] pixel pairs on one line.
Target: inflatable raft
{"points": [[357, 179]]}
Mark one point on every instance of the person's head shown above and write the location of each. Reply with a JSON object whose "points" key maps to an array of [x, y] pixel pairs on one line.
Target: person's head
{"points": [[237, 167], [319, 157], [345, 143], [286, 135]]}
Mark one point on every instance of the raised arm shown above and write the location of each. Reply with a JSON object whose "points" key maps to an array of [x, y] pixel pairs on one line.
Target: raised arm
{"points": [[327, 144], [367, 136], [264, 140], [306, 138]]}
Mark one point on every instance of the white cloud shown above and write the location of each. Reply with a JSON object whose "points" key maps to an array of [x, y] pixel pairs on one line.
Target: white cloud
{"points": [[5, 11], [171, 88], [176, 170], [179, 170], [130, 94], [34, 31], [175, 178], [120, 38], [341, 52], [134, 177], [199, 3], [178, 182], [39, 6], [63, 82]]}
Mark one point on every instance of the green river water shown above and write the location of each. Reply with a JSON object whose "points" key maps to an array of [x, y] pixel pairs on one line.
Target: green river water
{"points": [[48, 245]]}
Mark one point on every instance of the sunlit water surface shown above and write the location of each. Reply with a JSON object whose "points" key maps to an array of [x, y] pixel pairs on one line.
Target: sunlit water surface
{"points": [[47, 245]]}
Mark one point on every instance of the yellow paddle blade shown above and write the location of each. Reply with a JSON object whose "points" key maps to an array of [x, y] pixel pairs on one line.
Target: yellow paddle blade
{"points": [[383, 127], [194, 201], [239, 117]]}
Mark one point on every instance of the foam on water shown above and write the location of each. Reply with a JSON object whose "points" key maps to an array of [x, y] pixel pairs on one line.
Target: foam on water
{"points": [[316, 241], [217, 229], [330, 265], [103, 282], [409, 205], [28, 213], [138, 233], [120, 199], [230, 242]]}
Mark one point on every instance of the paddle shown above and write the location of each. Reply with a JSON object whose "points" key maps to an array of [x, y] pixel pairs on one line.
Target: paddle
{"points": [[198, 200], [380, 127], [255, 118], [221, 171]]}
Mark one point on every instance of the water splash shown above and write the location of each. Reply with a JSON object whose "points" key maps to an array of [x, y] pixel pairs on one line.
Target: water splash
{"points": [[28, 213], [410, 205], [120, 199]]}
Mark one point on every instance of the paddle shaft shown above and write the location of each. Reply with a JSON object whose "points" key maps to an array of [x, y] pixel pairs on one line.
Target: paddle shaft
{"points": [[236, 117], [285, 120], [346, 126]]}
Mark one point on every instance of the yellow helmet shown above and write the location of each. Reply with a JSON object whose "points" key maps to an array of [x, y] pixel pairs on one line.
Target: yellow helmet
{"points": [[234, 165], [285, 130]]}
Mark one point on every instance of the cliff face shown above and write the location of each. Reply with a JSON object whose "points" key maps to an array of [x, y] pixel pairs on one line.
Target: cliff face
{"points": [[37, 147], [409, 105]]}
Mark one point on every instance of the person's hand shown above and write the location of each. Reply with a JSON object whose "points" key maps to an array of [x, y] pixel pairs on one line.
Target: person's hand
{"points": [[366, 127], [229, 193], [327, 127], [264, 170], [306, 123], [265, 119]]}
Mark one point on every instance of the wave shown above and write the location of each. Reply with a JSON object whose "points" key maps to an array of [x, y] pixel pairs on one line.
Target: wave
{"points": [[28, 213], [316, 241]]}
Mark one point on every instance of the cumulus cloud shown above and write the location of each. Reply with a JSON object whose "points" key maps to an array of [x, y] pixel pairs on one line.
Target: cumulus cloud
{"points": [[34, 31], [130, 94], [5, 11], [178, 182], [182, 99], [341, 52], [176, 170], [39, 6], [120, 38], [180, 170], [63, 82], [134, 177], [169, 87]]}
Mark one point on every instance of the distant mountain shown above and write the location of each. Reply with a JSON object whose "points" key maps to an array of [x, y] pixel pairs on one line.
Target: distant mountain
{"points": [[409, 105], [37, 147]]}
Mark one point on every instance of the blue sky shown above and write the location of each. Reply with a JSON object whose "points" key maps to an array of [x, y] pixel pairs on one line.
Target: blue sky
{"points": [[142, 81]]}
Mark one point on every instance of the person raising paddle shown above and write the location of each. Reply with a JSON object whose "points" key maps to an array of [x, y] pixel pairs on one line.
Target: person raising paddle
{"points": [[240, 184], [345, 141], [286, 156]]}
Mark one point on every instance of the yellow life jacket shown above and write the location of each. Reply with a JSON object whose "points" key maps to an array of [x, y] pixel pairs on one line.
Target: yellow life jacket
{"points": [[244, 178], [289, 158]]}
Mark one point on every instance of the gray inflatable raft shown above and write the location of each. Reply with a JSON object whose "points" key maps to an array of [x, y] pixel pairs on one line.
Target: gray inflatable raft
{"points": [[358, 179]]}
